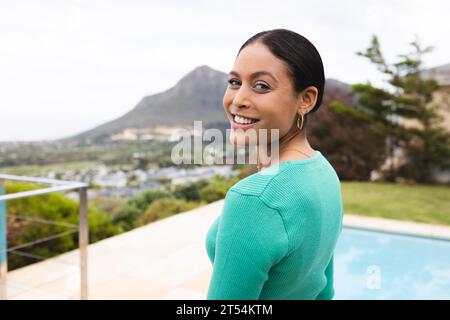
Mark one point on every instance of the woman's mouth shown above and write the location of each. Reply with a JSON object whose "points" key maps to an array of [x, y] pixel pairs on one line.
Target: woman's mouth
{"points": [[240, 122]]}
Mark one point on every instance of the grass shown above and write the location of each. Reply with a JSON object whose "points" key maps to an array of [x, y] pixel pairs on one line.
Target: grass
{"points": [[419, 203], [42, 170]]}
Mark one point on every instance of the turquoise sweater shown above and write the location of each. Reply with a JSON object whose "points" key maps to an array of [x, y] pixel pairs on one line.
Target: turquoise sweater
{"points": [[277, 232]]}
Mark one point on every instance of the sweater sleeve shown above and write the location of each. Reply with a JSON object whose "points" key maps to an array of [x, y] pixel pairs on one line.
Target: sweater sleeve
{"points": [[251, 238], [328, 292]]}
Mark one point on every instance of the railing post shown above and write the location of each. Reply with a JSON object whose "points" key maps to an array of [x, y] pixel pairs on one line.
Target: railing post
{"points": [[3, 246], [83, 239]]}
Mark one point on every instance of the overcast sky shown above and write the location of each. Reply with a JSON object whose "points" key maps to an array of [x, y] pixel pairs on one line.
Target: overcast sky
{"points": [[67, 66]]}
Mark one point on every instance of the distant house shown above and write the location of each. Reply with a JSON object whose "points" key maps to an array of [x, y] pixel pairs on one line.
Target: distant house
{"points": [[159, 133], [180, 175], [127, 134], [442, 97]]}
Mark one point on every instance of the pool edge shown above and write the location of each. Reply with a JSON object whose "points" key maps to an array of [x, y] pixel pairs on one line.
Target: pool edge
{"points": [[409, 228]]}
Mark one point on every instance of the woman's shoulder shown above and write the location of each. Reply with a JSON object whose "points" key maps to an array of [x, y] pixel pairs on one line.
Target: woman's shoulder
{"points": [[282, 177], [254, 184]]}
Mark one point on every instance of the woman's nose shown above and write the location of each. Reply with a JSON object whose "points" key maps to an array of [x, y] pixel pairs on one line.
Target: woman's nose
{"points": [[241, 98]]}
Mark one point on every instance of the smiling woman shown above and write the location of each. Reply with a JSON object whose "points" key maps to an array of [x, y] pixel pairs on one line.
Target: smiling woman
{"points": [[276, 81], [276, 235]]}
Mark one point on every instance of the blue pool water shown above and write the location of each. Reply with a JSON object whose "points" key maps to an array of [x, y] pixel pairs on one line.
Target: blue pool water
{"points": [[377, 265]]}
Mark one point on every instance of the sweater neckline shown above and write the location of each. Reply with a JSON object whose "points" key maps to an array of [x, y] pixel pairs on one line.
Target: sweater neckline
{"points": [[313, 158], [302, 161]]}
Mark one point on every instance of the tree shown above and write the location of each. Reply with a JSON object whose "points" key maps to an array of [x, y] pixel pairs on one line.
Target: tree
{"points": [[190, 191], [166, 207], [130, 215], [427, 146], [348, 143], [47, 215], [217, 188]]}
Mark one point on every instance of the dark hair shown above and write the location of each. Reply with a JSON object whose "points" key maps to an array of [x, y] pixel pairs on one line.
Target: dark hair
{"points": [[302, 58]]}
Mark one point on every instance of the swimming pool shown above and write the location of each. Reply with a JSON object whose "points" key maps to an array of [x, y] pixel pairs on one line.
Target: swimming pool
{"points": [[378, 265]]}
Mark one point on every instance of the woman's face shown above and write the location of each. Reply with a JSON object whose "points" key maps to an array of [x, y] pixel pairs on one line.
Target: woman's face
{"points": [[267, 97]]}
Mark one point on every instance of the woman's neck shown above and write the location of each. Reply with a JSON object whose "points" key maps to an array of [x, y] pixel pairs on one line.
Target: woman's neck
{"points": [[294, 147]]}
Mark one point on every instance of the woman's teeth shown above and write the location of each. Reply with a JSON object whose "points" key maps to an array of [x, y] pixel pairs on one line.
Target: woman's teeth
{"points": [[242, 120]]}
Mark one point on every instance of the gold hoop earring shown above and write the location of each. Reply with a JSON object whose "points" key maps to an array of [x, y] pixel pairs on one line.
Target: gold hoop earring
{"points": [[300, 127]]}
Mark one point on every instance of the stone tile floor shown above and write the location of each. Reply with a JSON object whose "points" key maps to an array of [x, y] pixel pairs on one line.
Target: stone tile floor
{"points": [[163, 260]]}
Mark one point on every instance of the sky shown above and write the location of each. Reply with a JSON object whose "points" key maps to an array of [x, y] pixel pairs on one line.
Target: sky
{"points": [[68, 66]]}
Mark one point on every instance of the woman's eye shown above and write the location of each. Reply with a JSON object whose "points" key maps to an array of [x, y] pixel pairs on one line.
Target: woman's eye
{"points": [[236, 82], [262, 84]]}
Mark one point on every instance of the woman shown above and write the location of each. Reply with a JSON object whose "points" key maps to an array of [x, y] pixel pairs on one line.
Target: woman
{"points": [[277, 232]]}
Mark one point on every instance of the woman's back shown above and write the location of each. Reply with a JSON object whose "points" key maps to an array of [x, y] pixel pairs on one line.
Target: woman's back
{"points": [[277, 232]]}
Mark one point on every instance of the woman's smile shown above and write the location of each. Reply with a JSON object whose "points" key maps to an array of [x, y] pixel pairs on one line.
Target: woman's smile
{"points": [[242, 122]]}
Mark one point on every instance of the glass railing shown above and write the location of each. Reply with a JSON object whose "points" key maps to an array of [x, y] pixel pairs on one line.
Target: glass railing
{"points": [[82, 227]]}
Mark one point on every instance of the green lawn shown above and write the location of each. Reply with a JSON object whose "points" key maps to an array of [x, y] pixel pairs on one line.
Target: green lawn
{"points": [[43, 170], [420, 203]]}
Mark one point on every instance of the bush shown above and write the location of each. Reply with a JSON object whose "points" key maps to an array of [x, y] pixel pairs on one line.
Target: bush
{"points": [[131, 214], [25, 224], [166, 207], [217, 189], [190, 191]]}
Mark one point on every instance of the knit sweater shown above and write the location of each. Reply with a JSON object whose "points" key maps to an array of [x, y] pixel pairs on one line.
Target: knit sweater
{"points": [[276, 234]]}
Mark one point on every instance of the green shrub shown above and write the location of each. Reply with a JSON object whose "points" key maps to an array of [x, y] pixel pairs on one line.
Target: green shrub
{"points": [[130, 216], [216, 189], [190, 191], [166, 207], [26, 224]]}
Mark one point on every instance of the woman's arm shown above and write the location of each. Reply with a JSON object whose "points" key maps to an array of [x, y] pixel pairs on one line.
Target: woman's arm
{"points": [[251, 238], [328, 292]]}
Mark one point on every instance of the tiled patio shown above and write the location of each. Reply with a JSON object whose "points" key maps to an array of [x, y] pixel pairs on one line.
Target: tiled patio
{"points": [[163, 260]]}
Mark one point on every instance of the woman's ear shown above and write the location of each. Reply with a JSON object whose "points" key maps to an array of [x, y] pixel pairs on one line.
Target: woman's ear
{"points": [[308, 99]]}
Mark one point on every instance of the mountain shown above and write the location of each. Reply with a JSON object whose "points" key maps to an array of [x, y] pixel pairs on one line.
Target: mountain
{"points": [[197, 96], [440, 73]]}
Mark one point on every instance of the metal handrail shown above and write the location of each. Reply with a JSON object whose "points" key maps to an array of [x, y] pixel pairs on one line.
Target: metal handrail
{"points": [[83, 239]]}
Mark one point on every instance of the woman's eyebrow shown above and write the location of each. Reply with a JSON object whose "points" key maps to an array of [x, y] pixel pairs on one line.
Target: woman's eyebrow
{"points": [[255, 74]]}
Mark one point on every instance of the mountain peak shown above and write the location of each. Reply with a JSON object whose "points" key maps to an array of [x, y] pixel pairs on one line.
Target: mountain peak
{"points": [[201, 80], [204, 72], [202, 68]]}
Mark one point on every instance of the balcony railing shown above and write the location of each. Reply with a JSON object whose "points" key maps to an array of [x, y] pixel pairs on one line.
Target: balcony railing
{"points": [[83, 231]]}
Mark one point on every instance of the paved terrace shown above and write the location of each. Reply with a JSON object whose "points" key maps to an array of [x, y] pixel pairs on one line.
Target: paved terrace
{"points": [[163, 260]]}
